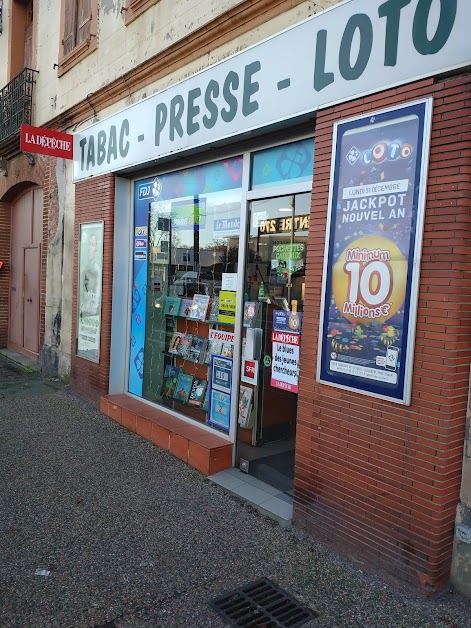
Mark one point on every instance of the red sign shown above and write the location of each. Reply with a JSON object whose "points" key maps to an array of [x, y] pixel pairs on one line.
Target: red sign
{"points": [[46, 142], [249, 371]]}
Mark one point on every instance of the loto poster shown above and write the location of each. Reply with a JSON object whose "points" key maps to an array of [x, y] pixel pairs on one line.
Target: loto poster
{"points": [[373, 245]]}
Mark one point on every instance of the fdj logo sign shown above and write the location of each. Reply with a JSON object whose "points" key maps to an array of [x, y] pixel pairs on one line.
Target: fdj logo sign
{"points": [[152, 189], [380, 152]]}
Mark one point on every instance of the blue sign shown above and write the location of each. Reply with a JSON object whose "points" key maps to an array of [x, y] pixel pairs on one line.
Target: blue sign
{"points": [[287, 321]]}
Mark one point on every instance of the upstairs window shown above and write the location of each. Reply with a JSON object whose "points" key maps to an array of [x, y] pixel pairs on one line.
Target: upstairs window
{"points": [[78, 31], [135, 8]]}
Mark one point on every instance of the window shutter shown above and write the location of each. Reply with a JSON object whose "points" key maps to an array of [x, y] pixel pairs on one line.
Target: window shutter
{"points": [[68, 40], [84, 19]]}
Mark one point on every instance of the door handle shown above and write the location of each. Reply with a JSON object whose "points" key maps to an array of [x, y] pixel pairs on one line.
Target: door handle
{"points": [[29, 300]]}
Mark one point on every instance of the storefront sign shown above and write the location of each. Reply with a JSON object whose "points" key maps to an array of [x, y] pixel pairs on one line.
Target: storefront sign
{"points": [[89, 292], [46, 142], [350, 50], [285, 363], [225, 227], [373, 245], [283, 225]]}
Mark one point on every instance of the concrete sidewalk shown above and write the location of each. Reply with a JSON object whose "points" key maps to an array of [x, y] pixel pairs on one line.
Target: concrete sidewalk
{"points": [[132, 537]]}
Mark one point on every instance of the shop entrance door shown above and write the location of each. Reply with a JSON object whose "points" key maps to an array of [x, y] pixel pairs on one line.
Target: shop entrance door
{"points": [[274, 300]]}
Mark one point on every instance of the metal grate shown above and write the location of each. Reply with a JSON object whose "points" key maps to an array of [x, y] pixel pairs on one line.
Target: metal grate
{"points": [[16, 103], [262, 603]]}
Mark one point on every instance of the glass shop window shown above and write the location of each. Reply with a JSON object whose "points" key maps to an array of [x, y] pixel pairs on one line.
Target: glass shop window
{"points": [[186, 235]]}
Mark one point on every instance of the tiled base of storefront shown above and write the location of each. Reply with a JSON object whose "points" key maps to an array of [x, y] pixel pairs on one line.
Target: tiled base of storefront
{"points": [[202, 450]]}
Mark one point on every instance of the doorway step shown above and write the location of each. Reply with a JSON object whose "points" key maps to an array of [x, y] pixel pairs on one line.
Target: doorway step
{"points": [[199, 448], [267, 499]]}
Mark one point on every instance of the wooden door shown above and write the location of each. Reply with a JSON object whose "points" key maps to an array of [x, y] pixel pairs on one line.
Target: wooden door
{"points": [[32, 258], [25, 273]]}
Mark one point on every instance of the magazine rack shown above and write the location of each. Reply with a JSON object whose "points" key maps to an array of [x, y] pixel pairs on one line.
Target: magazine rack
{"points": [[187, 353]]}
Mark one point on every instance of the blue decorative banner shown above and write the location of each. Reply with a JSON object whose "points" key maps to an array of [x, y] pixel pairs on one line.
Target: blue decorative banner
{"points": [[373, 245]]}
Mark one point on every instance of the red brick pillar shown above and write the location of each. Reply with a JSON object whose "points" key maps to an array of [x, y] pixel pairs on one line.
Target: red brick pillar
{"points": [[94, 200], [375, 478], [5, 225]]}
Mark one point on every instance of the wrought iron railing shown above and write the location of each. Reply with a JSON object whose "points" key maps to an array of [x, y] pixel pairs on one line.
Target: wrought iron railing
{"points": [[16, 100]]}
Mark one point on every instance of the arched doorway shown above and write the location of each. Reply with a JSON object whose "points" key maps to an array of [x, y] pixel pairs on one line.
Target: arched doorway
{"points": [[25, 273]]}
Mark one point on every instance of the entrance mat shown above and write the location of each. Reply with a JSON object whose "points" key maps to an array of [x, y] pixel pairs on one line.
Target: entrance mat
{"points": [[276, 470], [262, 603]]}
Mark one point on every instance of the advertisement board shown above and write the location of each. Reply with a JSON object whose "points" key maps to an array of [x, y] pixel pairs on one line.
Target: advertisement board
{"points": [[373, 241], [89, 290]]}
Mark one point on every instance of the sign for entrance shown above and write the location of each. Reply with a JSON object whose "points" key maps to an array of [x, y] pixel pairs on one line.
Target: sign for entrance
{"points": [[46, 142], [374, 237]]}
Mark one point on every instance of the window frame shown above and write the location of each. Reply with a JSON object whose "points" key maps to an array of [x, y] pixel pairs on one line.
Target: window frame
{"points": [[68, 60], [132, 9]]}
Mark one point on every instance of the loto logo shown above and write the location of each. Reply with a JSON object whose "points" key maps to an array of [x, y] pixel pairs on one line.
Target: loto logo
{"points": [[380, 152]]}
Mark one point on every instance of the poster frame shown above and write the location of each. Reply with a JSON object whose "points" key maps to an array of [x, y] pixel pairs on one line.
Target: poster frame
{"points": [[421, 174], [223, 390], [98, 227]]}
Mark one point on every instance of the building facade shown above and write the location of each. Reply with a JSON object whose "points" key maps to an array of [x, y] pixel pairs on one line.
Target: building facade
{"points": [[258, 257]]}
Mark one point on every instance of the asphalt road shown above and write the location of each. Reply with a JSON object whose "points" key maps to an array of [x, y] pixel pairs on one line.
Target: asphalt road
{"points": [[132, 537]]}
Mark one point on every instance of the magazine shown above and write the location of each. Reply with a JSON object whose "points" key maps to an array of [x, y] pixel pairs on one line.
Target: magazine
{"points": [[214, 348], [183, 387], [199, 308], [245, 403], [174, 346], [205, 406], [197, 392], [198, 349], [172, 306], [171, 376], [185, 344], [185, 307], [250, 313], [227, 349], [214, 310]]}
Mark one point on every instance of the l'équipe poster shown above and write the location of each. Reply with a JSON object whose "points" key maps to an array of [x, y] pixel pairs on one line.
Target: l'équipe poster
{"points": [[376, 205]]}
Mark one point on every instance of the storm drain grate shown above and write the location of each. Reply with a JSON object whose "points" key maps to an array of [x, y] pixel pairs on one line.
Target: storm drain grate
{"points": [[262, 603]]}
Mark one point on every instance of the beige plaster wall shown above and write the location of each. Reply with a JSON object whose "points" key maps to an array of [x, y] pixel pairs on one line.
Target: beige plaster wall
{"points": [[121, 48]]}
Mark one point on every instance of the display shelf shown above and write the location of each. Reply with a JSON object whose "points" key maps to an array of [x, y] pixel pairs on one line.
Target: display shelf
{"points": [[183, 357], [195, 320], [182, 403]]}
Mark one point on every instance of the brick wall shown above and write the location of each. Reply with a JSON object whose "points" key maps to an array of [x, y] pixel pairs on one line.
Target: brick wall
{"points": [[379, 479], [94, 200]]}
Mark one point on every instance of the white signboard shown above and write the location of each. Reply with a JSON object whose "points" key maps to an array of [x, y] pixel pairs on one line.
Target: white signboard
{"points": [[285, 361], [350, 50]]}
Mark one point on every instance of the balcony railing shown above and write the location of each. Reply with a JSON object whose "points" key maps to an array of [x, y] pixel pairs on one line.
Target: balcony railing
{"points": [[16, 100]]}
